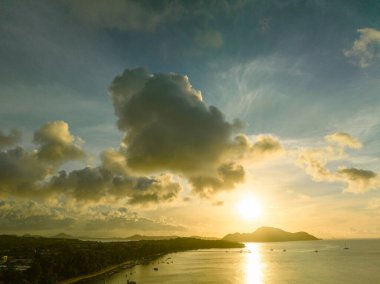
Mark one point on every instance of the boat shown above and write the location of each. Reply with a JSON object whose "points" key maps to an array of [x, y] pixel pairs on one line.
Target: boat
{"points": [[345, 245]]}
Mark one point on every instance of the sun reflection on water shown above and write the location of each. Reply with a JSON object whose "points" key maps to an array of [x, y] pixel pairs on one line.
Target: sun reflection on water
{"points": [[253, 264]]}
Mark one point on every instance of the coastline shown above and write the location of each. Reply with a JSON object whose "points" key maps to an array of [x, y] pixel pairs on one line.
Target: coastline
{"points": [[121, 266], [99, 273], [95, 274], [67, 261]]}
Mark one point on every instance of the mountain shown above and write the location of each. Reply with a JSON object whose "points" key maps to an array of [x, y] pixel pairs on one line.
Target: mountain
{"points": [[150, 238], [63, 236], [269, 234]]}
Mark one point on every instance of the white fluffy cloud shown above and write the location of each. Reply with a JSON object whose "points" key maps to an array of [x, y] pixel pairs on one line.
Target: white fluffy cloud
{"points": [[366, 49]]}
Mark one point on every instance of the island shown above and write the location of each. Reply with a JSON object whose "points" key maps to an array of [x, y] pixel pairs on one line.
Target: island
{"points": [[269, 234], [33, 259]]}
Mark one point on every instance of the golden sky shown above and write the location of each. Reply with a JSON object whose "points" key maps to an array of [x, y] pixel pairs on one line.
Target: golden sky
{"points": [[186, 119]]}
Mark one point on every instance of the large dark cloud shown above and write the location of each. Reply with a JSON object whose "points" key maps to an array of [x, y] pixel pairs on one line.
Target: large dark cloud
{"points": [[167, 124], [93, 184], [168, 127]]}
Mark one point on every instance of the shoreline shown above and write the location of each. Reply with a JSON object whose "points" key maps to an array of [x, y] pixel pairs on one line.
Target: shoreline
{"points": [[98, 273], [121, 266]]}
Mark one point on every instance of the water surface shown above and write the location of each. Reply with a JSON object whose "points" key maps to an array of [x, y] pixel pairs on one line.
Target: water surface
{"points": [[285, 262]]}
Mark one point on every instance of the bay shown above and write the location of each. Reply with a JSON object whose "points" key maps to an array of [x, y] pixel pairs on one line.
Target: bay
{"points": [[324, 261]]}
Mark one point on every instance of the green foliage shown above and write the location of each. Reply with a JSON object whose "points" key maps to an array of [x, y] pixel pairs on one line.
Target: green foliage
{"points": [[58, 259]]}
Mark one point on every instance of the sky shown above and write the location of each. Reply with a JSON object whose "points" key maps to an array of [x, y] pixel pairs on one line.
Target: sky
{"points": [[160, 117]]}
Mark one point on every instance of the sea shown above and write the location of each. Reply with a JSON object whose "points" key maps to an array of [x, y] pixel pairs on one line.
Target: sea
{"points": [[324, 261]]}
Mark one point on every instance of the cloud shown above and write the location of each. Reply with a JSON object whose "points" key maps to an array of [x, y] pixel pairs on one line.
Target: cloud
{"points": [[30, 216], [358, 180], [120, 220], [84, 184], [147, 191], [33, 174], [13, 137], [226, 177], [209, 39], [344, 140], [168, 127], [171, 136], [24, 173], [315, 162], [130, 224], [366, 49], [57, 145], [124, 15], [21, 172], [95, 184], [263, 147]]}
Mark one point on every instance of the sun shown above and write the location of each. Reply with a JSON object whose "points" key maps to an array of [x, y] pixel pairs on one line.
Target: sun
{"points": [[249, 209]]}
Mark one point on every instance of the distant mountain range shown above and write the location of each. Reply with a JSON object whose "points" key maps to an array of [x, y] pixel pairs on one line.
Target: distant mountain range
{"points": [[269, 234], [63, 236], [263, 234], [151, 238], [130, 238]]}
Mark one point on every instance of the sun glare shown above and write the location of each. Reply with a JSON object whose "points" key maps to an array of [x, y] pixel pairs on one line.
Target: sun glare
{"points": [[249, 209]]}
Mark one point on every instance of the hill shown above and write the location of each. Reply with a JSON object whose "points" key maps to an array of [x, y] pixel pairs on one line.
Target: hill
{"points": [[269, 234]]}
